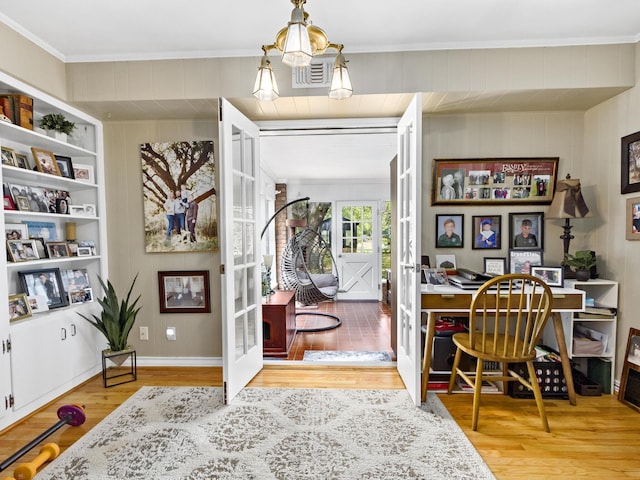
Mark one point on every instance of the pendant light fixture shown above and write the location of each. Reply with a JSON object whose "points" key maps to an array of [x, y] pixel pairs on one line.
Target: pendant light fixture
{"points": [[299, 42]]}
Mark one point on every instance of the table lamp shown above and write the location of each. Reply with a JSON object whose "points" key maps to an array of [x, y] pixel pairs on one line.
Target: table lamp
{"points": [[568, 203]]}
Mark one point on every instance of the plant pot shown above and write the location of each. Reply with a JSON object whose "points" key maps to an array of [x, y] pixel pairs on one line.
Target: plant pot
{"points": [[57, 135], [119, 357], [583, 275]]}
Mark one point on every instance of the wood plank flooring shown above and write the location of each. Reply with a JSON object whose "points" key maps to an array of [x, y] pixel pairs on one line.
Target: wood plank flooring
{"points": [[597, 439]]}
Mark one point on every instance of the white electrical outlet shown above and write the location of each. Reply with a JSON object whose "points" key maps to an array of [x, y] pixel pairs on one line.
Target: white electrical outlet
{"points": [[171, 333], [144, 333]]}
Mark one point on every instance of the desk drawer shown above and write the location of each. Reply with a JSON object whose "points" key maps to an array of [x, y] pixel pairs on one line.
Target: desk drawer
{"points": [[443, 301], [565, 301]]}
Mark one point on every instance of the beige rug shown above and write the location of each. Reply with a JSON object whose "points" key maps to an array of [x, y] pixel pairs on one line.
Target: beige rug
{"points": [[292, 434]]}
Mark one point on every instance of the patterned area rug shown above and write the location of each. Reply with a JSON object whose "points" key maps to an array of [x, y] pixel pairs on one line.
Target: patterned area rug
{"points": [[347, 356], [288, 434]]}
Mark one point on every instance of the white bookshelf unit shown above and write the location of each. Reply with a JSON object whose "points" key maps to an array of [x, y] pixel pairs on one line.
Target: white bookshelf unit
{"points": [[596, 359], [47, 353]]}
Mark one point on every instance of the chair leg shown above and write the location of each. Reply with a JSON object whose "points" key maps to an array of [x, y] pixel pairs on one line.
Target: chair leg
{"points": [[537, 395], [454, 370], [477, 391]]}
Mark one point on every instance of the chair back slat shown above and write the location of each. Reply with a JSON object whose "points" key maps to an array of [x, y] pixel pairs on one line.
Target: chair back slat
{"points": [[508, 315]]}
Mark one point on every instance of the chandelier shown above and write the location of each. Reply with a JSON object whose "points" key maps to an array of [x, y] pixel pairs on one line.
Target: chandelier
{"points": [[298, 43]]}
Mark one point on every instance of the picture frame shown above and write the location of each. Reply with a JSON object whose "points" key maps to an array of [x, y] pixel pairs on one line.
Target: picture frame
{"points": [[18, 307], [448, 262], [57, 249], [503, 181], [46, 281], [8, 203], [633, 219], [84, 173], [22, 161], [8, 156], [90, 209], [435, 276], [38, 304], [552, 276], [74, 280], [449, 231], [526, 230], [629, 392], [84, 295], [495, 265], [84, 252], [65, 166], [22, 250], [45, 161], [184, 291], [521, 261], [45, 230], [630, 159], [77, 210], [487, 232], [40, 246], [16, 231], [22, 202]]}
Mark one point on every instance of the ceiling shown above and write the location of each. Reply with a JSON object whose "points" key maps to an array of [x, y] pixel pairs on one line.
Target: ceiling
{"points": [[118, 30]]}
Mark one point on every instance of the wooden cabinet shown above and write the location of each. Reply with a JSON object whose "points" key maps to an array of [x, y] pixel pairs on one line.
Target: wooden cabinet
{"points": [[279, 323]]}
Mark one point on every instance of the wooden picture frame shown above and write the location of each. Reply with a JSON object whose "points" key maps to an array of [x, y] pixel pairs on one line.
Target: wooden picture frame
{"points": [[495, 265], [57, 249], [45, 161], [449, 231], [65, 166], [630, 159], [184, 291], [24, 250], [521, 261], [8, 156], [22, 161], [552, 276], [633, 219], [526, 230], [47, 282], [502, 181], [18, 307], [629, 392], [487, 232]]}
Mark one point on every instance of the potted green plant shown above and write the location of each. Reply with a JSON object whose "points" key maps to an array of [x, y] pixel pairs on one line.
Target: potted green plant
{"points": [[57, 126], [117, 316], [581, 262]]}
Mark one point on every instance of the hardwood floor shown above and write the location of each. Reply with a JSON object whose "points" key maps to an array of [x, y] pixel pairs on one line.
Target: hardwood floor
{"points": [[597, 439]]}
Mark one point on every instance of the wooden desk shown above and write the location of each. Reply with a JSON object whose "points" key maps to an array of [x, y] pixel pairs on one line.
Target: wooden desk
{"points": [[446, 299], [279, 323]]}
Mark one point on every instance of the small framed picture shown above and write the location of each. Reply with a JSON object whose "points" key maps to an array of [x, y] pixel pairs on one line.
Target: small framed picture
{"points": [[8, 203], [22, 161], [84, 173], [22, 201], [22, 250], [18, 307], [41, 247], [526, 230], [57, 249], [90, 209], [76, 210], [38, 303], [633, 218], [495, 265], [84, 252], [65, 166], [487, 232], [80, 296], [16, 231], [45, 161], [8, 157], [448, 262], [45, 230], [435, 276], [521, 261], [45, 282], [450, 231], [552, 276], [184, 292]]}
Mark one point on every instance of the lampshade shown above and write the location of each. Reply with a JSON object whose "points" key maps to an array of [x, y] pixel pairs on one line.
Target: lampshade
{"points": [[568, 201], [266, 87], [340, 82], [267, 260], [297, 46], [70, 230]]}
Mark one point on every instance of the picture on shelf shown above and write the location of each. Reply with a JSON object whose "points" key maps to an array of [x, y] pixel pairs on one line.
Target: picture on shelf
{"points": [[83, 173], [22, 250], [495, 265], [76, 210], [22, 161], [90, 244], [552, 276], [23, 203], [84, 252], [448, 262], [40, 199], [80, 296], [75, 279], [8, 203], [45, 282], [65, 166], [45, 230], [16, 231], [18, 307], [435, 276], [57, 249], [38, 304], [521, 261], [8, 157], [45, 161]]}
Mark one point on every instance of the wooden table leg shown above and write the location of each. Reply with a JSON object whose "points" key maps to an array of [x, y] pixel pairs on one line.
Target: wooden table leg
{"points": [[564, 356], [426, 358]]}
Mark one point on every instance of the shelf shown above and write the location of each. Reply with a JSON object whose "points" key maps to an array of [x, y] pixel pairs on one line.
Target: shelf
{"points": [[31, 177], [50, 261], [14, 133]]}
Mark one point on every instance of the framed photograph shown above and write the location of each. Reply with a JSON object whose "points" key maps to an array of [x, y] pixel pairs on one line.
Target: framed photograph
{"points": [[526, 230], [90, 209], [80, 296], [8, 157], [45, 282], [22, 161], [450, 231], [16, 231], [435, 276], [630, 171], [18, 307], [77, 210], [38, 304], [487, 232], [552, 276], [495, 265], [88, 244], [521, 261], [22, 202], [8, 203], [84, 252], [45, 230], [41, 247], [75, 279], [22, 250], [57, 249], [184, 292], [633, 218], [448, 262], [629, 392], [84, 173], [494, 181], [65, 166], [45, 161]]}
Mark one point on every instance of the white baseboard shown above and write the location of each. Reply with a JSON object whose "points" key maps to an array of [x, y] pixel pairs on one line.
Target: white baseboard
{"points": [[179, 361]]}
